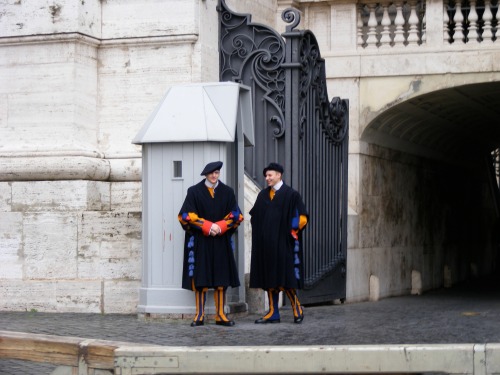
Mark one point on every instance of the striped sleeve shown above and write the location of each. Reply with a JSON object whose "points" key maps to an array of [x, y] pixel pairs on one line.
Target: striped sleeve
{"points": [[230, 221], [298, 223], [190, 220]]}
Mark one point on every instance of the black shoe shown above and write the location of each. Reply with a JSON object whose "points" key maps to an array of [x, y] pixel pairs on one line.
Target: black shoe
{"points": [[197, 323], [224, 323], [265, 321], [299, 319]]}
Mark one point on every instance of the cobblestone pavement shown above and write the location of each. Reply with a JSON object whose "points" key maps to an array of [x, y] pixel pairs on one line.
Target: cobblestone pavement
{"points": [[457, 315]]}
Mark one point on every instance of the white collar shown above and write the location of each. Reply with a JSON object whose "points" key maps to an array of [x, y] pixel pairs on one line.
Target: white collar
{"points": [[278, 186], [209, 185]]}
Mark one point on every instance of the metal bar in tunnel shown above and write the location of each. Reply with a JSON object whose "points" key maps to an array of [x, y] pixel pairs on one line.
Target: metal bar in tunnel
{"points": [[495, 188]]}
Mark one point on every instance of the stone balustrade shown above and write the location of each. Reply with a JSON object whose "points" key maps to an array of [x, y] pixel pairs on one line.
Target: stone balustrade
{"points": [[403, 24]]}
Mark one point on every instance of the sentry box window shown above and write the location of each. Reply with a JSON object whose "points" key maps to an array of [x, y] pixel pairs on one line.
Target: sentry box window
{"points": [[177, 169]]}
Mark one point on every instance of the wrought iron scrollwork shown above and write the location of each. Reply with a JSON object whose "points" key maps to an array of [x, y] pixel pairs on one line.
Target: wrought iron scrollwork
{"points": [[297, 126], [337, 128], [333, 115], [252, 53], [292, 17], [323, 129], [280, 127], [310, 66]]}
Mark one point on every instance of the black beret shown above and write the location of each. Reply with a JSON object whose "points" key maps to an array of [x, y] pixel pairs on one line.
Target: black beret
{"points": [[273, 167], [210, 167]]}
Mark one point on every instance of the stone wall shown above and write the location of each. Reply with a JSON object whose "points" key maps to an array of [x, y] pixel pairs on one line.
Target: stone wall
{"points": [[422, 225], [66, 246], [79, 79]]}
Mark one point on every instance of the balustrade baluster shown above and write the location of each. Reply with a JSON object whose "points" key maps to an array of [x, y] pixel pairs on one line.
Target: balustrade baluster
{"points": [[371, 41], [472, 35], [424, 28], [376, 26], [413, 38], [495, 25], [446, 21], [385, 39], [458, 18], [487, 17], [360, 25], [399, 21]]}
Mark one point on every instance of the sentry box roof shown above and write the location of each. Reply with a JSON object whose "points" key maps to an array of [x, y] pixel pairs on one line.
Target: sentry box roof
{"points": [[200, 112]]}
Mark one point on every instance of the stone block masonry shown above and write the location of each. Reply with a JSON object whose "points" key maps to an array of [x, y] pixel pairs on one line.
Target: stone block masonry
{"points": [[77, 81], [63, 249]]}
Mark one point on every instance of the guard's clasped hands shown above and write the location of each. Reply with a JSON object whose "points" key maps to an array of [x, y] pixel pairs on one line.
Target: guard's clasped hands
{"points": [[214, 230]]}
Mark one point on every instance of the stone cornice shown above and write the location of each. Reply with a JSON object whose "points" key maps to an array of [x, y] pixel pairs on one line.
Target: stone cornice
{"points": [[50, 153], [153, 40], [52, 166], [289, 3], [86, 39]]}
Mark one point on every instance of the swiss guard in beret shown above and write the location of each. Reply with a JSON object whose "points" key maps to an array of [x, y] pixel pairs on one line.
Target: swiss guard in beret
{"points": [[278, 218], [209, 216]]}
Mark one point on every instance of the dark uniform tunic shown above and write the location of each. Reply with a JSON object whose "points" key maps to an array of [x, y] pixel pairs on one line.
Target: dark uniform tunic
{"points": [[276, 239], [209, 261]]}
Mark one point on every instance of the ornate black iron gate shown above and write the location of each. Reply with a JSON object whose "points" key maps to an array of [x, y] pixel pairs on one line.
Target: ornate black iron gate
{"points": [[297, 126]]}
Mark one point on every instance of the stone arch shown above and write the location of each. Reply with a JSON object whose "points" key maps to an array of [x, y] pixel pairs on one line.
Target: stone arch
{"points": [[425, 198], [432, 116]]}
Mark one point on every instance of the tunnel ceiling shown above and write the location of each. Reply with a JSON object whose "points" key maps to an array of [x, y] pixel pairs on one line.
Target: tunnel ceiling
{"points": [[446, 124]]}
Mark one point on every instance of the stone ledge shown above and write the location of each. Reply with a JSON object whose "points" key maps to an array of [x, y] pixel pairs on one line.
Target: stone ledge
{"points": [[54, 168], [356, 359], [69, 167], [128, 358], [97, 42]]}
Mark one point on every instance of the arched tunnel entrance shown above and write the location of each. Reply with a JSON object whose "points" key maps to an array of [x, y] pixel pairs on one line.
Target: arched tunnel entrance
{"points": [[429, 187]]}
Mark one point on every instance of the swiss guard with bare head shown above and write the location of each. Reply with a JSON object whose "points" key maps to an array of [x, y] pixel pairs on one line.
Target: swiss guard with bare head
{"points": [[209, 216], [278, 218]]}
